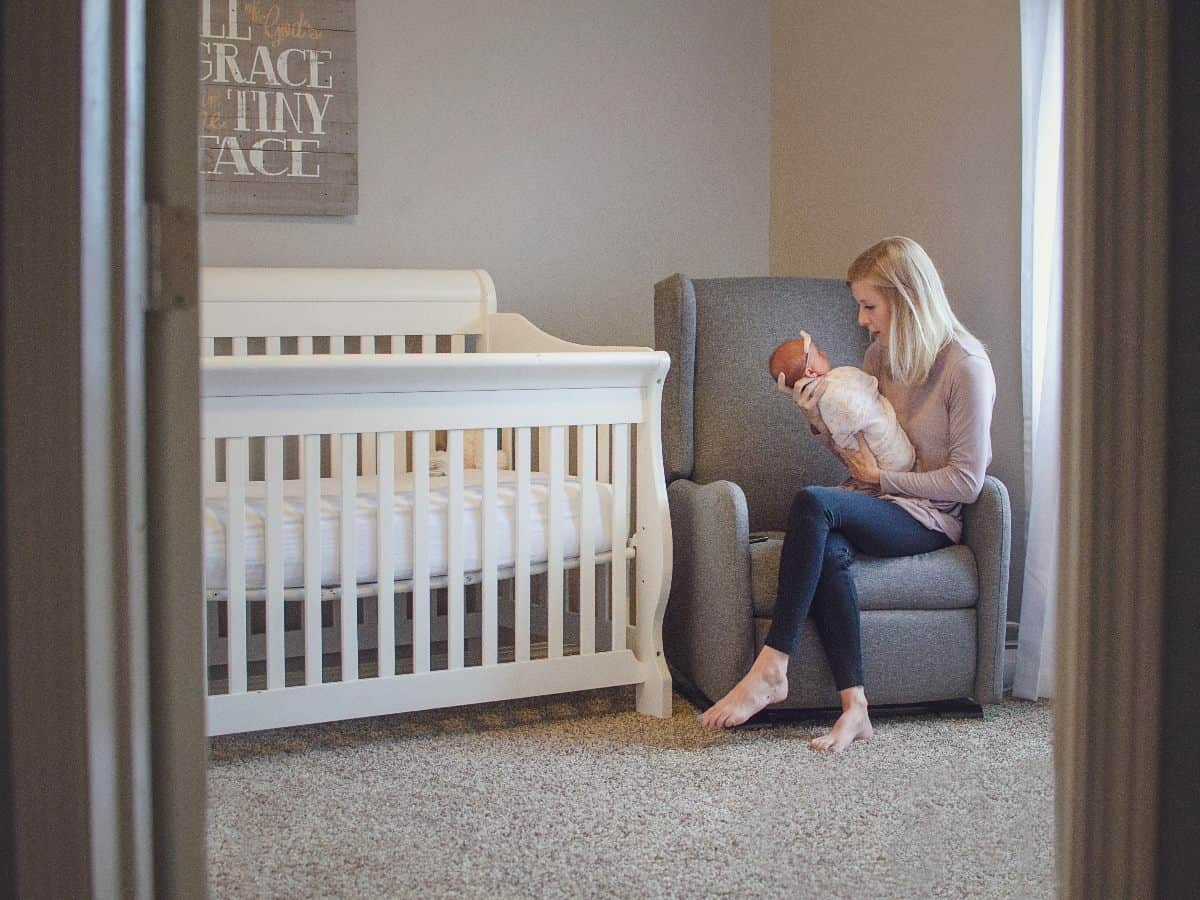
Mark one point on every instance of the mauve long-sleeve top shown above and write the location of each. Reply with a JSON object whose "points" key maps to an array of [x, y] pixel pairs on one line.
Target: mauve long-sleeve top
{"points": [[948, 418]]}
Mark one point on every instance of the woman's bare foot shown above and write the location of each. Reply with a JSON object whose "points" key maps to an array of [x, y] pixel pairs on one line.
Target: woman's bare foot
{"points": [[765, 683], [853, 725]]}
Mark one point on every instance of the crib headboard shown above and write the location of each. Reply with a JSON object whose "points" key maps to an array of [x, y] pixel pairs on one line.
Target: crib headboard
{"points": [[408, 308]]}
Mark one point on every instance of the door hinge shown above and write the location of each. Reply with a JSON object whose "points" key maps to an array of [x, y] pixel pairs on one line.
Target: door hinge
{"points": [[173, 258]]}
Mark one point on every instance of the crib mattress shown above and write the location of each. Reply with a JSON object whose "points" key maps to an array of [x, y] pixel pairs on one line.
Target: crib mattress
{"points": [[366, 518]]}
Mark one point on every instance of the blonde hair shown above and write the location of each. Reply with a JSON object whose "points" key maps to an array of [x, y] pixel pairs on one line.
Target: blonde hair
{"points": [[922, 321]]}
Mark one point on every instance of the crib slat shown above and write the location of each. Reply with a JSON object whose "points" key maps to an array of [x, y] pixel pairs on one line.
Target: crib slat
{"points": [[348, 558], [236, 462], [208, 461], [490, 546], [367, 347], [210, 450], [420, 551], [274, 511], [587, 539], [620, 533], [337, 347], [458, 343], [554, 542], [304, 347], [398, 349], [603, 466], [521, 562], [386, 599], [313, 650], [273, 345], [208, 347], [455, 629], [429, 343], [239, 346]]}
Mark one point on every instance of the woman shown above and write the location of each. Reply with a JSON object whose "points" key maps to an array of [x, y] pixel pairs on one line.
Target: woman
{"points": [[940, 382]]}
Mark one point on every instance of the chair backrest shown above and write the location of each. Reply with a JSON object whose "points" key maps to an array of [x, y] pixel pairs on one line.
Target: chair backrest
{"points": [[723, 417]]}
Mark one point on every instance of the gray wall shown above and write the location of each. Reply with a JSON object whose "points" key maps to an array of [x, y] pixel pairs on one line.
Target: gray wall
{"points": [[905, 119], [582, 150], [578, 150]]}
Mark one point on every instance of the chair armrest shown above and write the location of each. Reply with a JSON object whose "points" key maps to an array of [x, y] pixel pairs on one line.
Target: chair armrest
{"points": [[708, 628], [987, 530]]}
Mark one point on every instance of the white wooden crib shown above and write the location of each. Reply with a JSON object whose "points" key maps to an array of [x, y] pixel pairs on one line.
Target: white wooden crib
{"points": [[538, 563]]}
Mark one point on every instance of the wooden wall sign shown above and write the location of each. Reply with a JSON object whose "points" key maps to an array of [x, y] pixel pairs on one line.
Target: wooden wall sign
{"points": [[279, 107]]}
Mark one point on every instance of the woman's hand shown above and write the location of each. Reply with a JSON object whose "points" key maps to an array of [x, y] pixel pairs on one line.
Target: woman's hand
{"points": [[862, 463], [807, 393]]}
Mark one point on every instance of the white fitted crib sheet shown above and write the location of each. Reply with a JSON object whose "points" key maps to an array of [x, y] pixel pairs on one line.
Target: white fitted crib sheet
{"points": [[216, 520]]}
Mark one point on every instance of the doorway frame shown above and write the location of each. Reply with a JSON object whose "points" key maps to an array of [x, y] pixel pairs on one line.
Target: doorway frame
{"points": [[101, 699]]}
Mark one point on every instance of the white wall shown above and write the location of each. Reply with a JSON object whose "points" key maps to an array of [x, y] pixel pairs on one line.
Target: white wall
{"points": [[578, 150], [904, 118]]}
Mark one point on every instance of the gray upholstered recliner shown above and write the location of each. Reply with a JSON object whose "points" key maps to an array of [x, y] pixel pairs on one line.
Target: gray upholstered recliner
{"points": [[736, 452]]}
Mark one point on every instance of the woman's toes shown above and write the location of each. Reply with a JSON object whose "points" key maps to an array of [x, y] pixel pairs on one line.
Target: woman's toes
{"points": [[716, 716], [828, 742]]}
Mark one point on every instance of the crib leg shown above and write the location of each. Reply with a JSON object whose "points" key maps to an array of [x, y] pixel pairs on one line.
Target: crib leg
{"points": [[654, 694]]}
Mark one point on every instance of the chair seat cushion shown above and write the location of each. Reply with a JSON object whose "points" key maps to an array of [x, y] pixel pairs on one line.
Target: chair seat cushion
{"points": [[943, 579]]}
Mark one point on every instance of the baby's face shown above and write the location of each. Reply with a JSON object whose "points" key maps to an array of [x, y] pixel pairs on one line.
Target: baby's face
{"points": [[818, 361]]}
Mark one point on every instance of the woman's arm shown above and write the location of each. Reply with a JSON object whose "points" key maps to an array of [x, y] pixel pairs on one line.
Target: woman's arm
{"points": [[972, 394]]}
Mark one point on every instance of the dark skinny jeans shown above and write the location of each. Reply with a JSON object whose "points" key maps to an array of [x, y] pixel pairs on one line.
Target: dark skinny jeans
{"points": [[825, 528]]}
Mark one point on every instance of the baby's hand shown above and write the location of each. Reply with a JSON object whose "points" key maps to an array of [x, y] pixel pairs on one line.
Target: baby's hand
{"points": [[807, 395]]}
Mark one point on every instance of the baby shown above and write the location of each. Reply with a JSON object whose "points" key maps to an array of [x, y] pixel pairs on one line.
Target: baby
{"points": [[851, 402]]}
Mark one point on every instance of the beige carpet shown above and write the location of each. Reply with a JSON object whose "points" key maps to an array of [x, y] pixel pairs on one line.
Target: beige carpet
{"points": [[578, 796]]}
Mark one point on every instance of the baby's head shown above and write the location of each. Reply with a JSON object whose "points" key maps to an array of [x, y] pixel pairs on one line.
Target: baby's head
{"points": [[797, 359]]}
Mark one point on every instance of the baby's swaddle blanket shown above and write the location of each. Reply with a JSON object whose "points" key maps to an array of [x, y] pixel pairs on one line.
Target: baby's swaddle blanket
{"points": [[852, 403]]}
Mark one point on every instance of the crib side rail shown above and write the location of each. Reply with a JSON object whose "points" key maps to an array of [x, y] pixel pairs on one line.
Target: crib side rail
{"points": [[537, 418]]}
